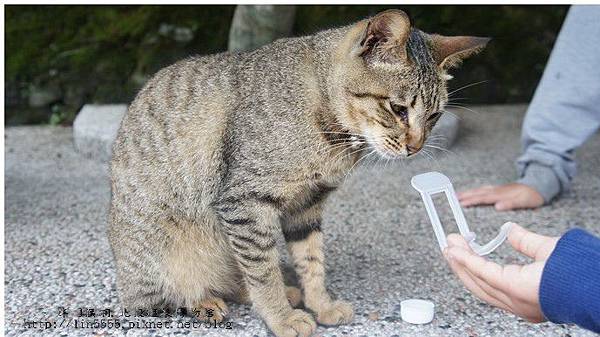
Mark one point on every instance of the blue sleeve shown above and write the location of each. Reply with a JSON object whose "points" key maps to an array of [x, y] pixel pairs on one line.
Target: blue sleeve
{"points": [[565, 109], [570, 286]]}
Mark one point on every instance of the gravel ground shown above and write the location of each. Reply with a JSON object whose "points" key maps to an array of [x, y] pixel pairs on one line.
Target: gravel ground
{"points": [[380, 247]]}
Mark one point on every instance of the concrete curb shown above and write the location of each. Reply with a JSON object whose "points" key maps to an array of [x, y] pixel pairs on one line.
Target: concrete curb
{"points": [[95, 129], [96, 126]]}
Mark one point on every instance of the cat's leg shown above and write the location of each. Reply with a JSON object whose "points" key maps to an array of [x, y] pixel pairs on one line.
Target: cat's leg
{"points": [[137, 254], [199, 267], [252, 226], [304, 239], [293, 295]]}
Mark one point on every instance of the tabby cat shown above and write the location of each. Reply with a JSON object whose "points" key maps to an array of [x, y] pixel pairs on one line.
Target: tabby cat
{"points": [[218, 155]]}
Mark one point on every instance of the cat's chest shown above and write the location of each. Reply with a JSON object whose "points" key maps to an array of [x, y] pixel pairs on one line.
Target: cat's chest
{"points": [[322, 170], [309, 192], [312, 183]]}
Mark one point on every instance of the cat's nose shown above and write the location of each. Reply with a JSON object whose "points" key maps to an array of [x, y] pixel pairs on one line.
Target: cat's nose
{"points": [[410, 149], [414, 141]]}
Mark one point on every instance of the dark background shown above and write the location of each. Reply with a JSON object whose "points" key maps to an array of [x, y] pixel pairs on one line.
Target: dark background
{"points": [[61, 57]]}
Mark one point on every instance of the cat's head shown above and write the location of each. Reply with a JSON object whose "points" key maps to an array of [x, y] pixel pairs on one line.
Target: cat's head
{"points": [[389, 81]]}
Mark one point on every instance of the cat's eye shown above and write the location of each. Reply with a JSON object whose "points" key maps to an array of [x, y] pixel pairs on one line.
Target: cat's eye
{"points": [[434, 116], [400, 110]]}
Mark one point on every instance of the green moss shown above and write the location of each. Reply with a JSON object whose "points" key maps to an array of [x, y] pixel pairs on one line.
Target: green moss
{"points": [[92, 52], [103, 54]]}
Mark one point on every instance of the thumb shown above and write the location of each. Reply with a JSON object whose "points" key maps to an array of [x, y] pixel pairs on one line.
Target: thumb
{"points": [[533, 245]]}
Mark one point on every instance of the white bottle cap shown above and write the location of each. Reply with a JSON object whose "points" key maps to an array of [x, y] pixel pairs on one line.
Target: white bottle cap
{"points": [[416, 311]]}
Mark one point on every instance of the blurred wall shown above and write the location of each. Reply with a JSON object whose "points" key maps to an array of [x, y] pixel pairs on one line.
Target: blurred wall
{"points": [[253, 26], [60, 57]]}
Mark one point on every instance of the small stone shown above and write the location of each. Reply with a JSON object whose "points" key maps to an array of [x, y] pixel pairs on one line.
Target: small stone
{"points": [[373, 316]]}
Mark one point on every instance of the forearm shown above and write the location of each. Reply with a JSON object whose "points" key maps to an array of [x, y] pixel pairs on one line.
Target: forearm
{"points": [[570, 286], [564, 111]]}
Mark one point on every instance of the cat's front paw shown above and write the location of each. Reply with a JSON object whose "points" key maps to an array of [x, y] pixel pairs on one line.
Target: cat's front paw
{"points": [[336, 313], [211, 309], [297, 323]]}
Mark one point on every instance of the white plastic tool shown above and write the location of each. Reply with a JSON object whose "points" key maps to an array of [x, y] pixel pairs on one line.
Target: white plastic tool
{"points": [[434, 182], [416, 311]]}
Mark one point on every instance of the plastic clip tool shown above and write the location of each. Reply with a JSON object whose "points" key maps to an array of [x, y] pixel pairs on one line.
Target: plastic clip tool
{"points": [[434, 182]]}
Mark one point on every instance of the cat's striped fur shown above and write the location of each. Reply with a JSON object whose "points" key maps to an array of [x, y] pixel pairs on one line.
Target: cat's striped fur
{"points": [[219, 155]]}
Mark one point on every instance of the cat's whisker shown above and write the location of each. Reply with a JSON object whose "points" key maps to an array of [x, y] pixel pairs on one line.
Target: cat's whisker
{"points": [[424, 152], [355, 140], [460, 107], [340, 125], [337, 141], [437, 145], [378, 160], [337, 145], [434, 137], [346, 155], [452, 99], [466, 86], [374, 160], [440, 148], [429, 156], [344, 152], [325, 149], [452, 114], [441, 144], [351, 140], [441, 140], [340, 133], [404, 164], [341, 129], [358, 161], [348, 143]]}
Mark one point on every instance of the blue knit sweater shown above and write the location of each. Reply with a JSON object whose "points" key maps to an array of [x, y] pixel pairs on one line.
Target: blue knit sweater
{"points": [[570, 287]]}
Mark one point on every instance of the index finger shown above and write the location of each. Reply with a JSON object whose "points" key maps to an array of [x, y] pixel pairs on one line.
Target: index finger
{"points": [[489, 295], [488, 271], [474, 191]]}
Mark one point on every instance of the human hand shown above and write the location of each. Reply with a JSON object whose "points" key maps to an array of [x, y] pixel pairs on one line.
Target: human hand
{"points": [[503, 197], [514, 288]]}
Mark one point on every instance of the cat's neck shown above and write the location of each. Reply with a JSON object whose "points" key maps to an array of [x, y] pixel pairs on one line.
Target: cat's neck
{"points": [[324, 45]]}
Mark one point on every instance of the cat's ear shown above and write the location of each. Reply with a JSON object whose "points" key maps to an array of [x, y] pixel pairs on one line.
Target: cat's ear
{"points": [[385, 36], [450, 51]]}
